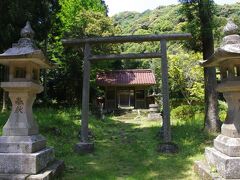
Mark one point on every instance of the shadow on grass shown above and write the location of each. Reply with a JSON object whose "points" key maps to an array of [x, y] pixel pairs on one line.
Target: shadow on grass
{"points": [[123, 150]]}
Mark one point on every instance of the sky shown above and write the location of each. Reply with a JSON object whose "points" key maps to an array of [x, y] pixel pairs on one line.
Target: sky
{"points": [[116, 6]]}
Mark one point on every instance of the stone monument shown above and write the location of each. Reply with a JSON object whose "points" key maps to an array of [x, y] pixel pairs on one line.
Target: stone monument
{"points": [[23, 151], [223, 160]]}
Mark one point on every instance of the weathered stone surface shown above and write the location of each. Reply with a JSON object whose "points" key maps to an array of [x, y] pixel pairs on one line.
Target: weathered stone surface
{"points": [[228, 167], [227, 145], [230, 130], [22, 144], [84, 147], [22, 163], [21, 122]]}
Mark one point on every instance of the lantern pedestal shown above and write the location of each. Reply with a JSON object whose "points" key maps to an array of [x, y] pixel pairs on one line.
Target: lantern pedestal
{"points": [[223, 160], [23, 151], [22, 96]]}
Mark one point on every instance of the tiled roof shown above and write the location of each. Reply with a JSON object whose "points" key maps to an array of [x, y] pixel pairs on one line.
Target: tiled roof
{"points": [[127, 77]]}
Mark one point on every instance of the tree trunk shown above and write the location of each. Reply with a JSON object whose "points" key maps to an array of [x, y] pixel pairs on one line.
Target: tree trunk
{"points": [[211, 120]]}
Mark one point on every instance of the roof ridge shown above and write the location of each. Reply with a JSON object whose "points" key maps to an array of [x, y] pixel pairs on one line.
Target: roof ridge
{"points": [[122, 70]]}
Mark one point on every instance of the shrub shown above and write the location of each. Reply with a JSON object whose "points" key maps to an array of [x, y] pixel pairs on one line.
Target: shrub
{"points": [[186, 111]]}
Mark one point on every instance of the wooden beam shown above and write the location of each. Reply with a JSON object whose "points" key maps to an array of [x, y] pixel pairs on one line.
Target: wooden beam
{"points": [[85, 93], [165, 94], [125, 56], [125, 39]]}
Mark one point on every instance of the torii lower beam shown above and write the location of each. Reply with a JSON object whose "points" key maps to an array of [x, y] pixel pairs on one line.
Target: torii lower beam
{"points": [[85, 145]]}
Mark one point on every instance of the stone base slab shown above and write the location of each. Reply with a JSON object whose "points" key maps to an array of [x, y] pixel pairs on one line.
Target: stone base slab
{"points": [[228, 167], [22, 163], [227, 145], [204, 171], [22, 144], [53, 171]]}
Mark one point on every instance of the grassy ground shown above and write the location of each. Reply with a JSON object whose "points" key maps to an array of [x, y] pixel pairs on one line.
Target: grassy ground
{"points": [[125, 147]]}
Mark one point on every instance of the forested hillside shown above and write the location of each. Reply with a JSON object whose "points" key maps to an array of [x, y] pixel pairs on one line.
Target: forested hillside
{"points": [[167, 19], [186, 76]]}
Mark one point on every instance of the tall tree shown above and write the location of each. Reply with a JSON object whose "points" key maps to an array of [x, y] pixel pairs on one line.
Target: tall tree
{"points": [[211, 121], [203, 11], [77, 19]]}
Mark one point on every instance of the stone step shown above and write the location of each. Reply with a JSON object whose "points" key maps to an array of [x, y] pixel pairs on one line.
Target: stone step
{"points": [[22, 144]]}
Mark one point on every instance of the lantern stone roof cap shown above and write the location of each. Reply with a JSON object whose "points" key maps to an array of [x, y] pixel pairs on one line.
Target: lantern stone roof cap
{"points": [[25, 50], [229, 51], [230, 28]]}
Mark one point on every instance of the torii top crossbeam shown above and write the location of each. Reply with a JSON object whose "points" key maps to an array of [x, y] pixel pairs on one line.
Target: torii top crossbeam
{"points": [[125, 39]]}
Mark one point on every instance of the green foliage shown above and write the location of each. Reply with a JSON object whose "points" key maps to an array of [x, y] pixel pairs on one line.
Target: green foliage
{"points": [[186, 76], [77, 19], [222, 105], [71, 8], [184, 112]]}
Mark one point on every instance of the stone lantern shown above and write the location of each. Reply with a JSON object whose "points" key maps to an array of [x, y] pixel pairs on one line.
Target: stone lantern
{"points": [[224, 157], [23, 151]]}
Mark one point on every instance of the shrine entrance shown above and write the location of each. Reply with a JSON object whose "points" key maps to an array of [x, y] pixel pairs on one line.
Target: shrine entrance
{"points": [[124, 98]]}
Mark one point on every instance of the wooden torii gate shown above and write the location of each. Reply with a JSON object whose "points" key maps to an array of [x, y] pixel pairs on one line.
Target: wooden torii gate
{"points": [[85, 145]]}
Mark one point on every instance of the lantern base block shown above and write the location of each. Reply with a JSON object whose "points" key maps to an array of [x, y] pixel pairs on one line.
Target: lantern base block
{"points": [[25, 163], [227, 145]]}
